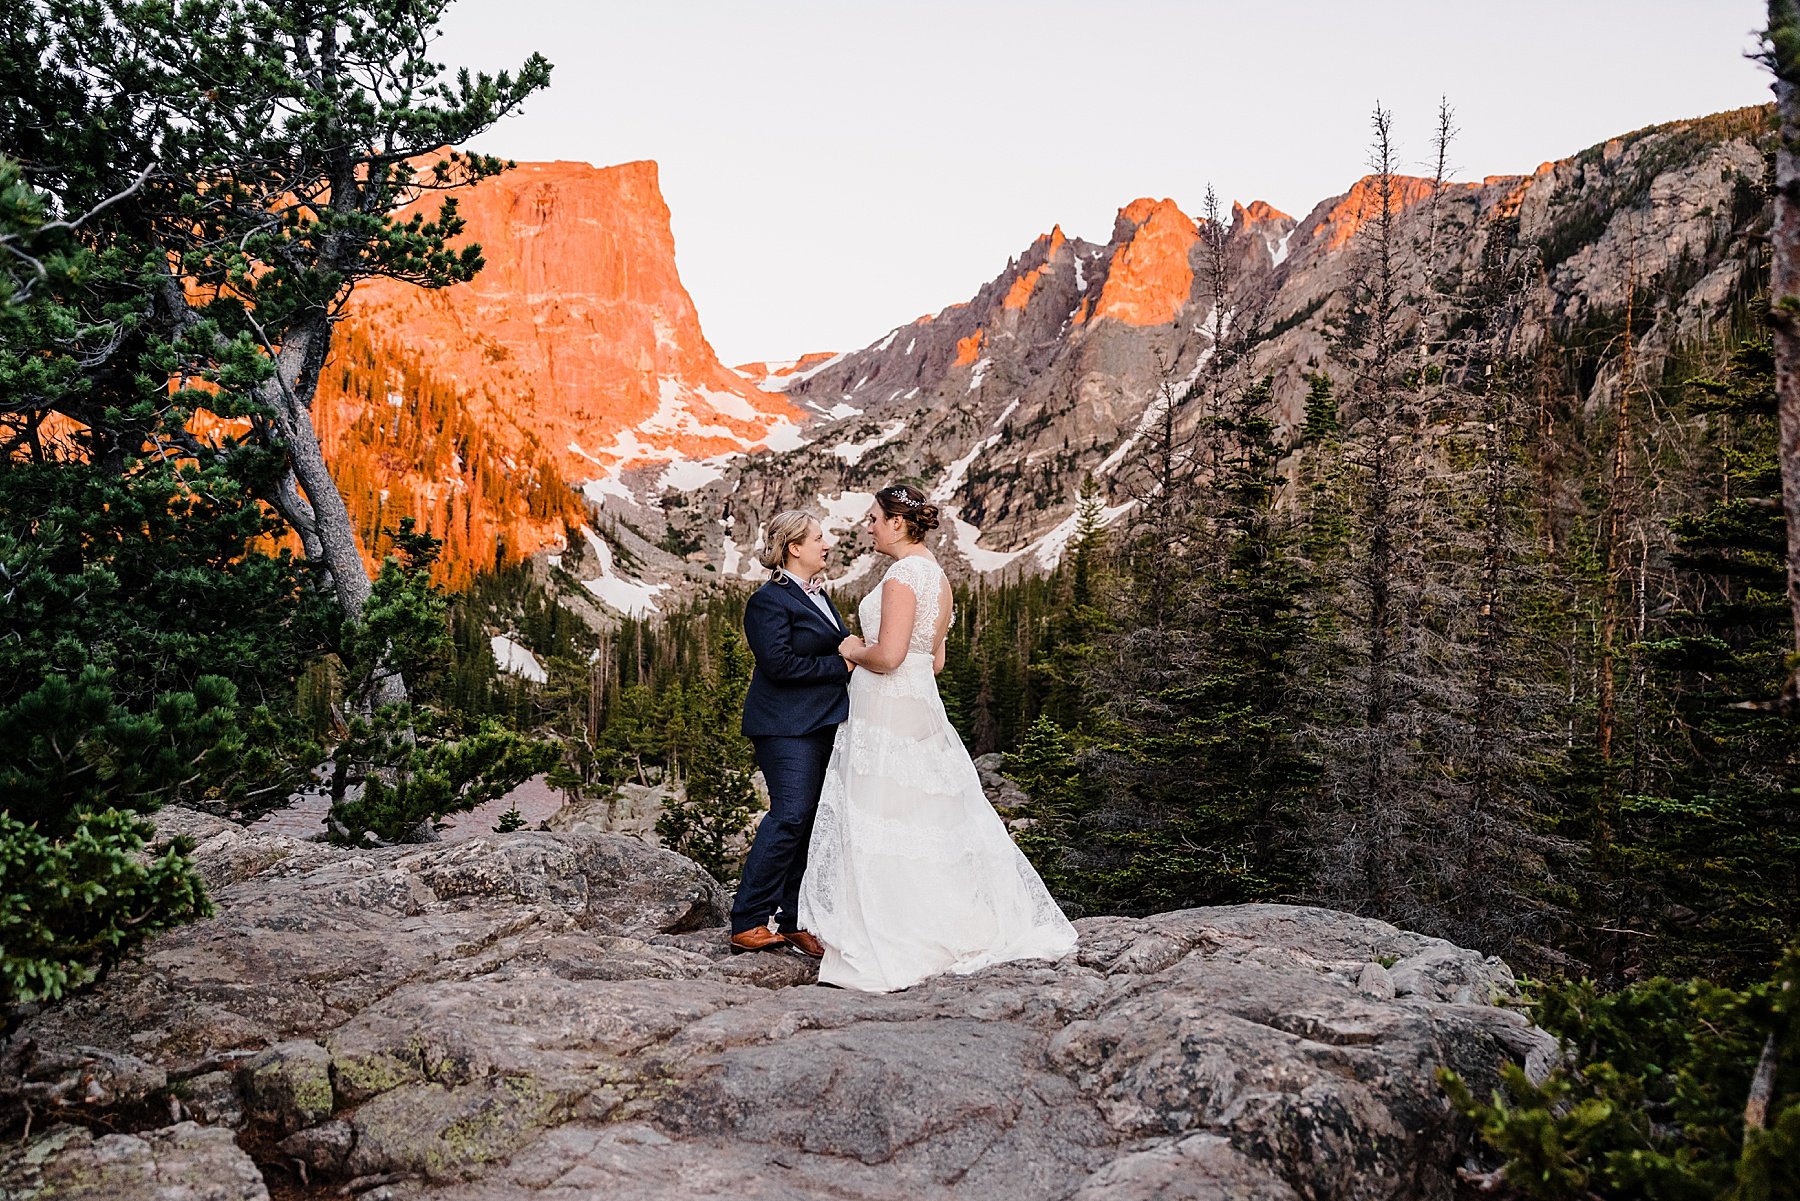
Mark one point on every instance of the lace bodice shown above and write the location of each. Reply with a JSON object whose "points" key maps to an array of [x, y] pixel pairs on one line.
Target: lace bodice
{"points": [[921, 574]]}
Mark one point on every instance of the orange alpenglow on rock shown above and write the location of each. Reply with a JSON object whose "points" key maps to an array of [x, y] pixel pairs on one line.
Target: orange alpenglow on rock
{"points": [[1149, 278], [403, 443], [810, 359], [969, 347], [1256, 213], [576, 352], [1363, 202], [1019, 295], [578, 331], [1508, 205]]}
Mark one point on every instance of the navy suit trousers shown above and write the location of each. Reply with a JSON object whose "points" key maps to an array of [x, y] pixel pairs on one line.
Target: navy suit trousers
{"points": [[794, 769]]}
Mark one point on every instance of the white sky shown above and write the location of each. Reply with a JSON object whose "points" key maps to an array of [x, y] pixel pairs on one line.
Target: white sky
{"points": [[837, 168]]}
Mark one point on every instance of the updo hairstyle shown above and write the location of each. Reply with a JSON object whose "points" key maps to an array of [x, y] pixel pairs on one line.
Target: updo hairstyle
{"points": [[783, 530], [908, 503]]}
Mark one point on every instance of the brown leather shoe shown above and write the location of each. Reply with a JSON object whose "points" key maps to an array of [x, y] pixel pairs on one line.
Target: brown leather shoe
{"points": [[757, 938], [806, 944]]}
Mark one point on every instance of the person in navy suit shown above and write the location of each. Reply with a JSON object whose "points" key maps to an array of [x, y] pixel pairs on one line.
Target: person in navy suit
{"points": [[799, 693]]}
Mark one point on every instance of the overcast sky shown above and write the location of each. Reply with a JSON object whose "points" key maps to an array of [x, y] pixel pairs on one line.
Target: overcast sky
{"points": [[836, 169]]}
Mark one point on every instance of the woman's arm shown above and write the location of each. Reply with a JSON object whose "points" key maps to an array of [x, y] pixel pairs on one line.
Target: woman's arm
{"points": [[898, 609], [937, 658], [770, 635]]}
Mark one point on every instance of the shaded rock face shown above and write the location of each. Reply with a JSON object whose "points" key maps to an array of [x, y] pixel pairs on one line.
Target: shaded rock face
{"points": [[576, 360], [555, 1015], [1004, 402]]}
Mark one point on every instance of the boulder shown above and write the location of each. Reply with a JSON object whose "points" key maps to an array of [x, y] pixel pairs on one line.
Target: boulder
{"points": [[287, 1086], [557, 1014], [185, 1162]]}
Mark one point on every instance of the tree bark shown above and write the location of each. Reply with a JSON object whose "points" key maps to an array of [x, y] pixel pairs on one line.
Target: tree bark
{"points": [[1762, 1089], [298, 513], [1784, 288], [332, 540]]}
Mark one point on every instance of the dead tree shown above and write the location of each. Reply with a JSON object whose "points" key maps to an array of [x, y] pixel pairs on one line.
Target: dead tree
{"points": [[1782, 56]]}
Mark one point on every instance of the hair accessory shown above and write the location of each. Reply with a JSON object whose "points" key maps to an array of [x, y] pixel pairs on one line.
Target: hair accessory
{"points": [[903, 498]]}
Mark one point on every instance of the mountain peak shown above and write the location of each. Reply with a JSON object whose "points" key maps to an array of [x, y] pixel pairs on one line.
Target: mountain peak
{"points": [[575, 354], [1144, 208], [1149, 277], [1256, 213], [1363, 201]]}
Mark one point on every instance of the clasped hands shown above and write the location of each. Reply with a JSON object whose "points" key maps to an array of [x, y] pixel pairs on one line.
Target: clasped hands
{"points": [[849, 647]]}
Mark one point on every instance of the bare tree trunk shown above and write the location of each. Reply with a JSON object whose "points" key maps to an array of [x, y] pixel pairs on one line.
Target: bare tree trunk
{"points": [[1762, 1089], [298, 513], [1783, 60], [1617, 503], [1488, 649], [1380, 783], [289, 394], [1429, 303]]}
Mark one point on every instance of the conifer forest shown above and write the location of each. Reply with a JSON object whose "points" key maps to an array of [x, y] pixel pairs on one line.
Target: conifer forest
{"points": [[1490, 632]]}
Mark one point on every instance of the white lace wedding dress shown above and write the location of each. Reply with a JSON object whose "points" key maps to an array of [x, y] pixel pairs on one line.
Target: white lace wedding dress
{"points": [[910, 871]]}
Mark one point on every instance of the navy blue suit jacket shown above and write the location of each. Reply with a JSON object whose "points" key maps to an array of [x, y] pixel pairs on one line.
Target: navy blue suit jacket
{"points": [[800, 683]]}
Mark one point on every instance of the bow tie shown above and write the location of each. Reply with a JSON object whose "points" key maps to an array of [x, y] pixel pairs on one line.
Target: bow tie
{"points": [[816, 584]]}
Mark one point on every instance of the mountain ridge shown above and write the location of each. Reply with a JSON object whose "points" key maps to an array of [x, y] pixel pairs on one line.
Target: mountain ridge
{"points": [[999, 404]]}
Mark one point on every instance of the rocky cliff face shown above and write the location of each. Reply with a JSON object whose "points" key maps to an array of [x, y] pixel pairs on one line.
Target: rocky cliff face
{"points": [[554, 1015], [577, 357], [574, 355], [1003, 403]]}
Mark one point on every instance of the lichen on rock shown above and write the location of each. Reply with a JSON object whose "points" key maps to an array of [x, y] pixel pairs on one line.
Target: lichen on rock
{"points": [[556, 1014]]}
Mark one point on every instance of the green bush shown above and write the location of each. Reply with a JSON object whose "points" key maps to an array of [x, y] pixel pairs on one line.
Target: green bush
{"points": [[718, 799], [1649, 1098], [406, 765], [70, 906]]}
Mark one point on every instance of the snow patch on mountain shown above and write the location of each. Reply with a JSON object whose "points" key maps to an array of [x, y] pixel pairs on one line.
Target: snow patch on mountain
{"points": [[634, 598], [781, 383], [968, 536], [844, 509], [852, 452], [784, 435], [737, 564], [685, 475], [1278, 250], [515, 660], [1050, 547], [953, 475], [597, 490]]}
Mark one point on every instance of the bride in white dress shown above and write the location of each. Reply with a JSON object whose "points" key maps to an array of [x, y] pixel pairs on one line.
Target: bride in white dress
{"points": [[910, 871]]}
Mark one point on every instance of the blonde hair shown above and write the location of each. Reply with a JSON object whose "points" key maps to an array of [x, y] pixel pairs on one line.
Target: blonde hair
{"points": [[783, 530]]}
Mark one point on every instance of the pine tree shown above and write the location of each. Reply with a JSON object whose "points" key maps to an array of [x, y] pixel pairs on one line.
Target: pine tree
{"points": [[243, 161], [1712, 839], [708, 820], [404, 766], [1195, 778], [1072, 631], [1364, 728]]}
